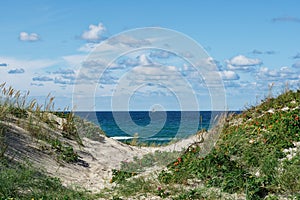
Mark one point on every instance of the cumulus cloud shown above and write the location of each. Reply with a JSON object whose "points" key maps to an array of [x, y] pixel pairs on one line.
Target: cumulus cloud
{"points": [[283, 74], [229, 75], [42, 78], [286, 19], [63, 81], [264, 72], [242, 62], [128, 62], [144, 60], [3, 65], [94, 33], [16, 71], [108, 79], [32, 37], [114, 43]]}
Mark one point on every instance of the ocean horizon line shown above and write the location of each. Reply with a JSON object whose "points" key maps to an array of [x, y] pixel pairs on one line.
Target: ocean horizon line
{"points": [[156, 111]]}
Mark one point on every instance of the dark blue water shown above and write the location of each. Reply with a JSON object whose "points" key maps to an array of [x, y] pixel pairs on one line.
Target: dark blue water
{"points": [[158, 127]]}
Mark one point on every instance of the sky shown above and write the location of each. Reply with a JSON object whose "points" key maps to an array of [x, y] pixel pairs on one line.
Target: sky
{"points": [[242, 49]]}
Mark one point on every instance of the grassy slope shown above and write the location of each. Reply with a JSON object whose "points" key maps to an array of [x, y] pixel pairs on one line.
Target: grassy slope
{"points": [[257, 156], [22, 180]]}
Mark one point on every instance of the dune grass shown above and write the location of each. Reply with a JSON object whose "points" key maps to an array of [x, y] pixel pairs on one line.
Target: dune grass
{"points": [[257, 157], [21, 180]]}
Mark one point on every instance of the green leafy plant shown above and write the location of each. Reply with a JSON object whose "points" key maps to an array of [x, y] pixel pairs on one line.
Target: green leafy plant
{"points": [[120, 176], [64, 152]]}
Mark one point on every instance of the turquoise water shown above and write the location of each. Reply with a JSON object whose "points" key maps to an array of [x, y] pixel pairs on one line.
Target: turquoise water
{"points": [[158, 127]]}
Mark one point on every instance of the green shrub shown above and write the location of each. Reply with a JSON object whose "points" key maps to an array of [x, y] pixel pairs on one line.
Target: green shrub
{"points": [[64, 151], [120, 176]]}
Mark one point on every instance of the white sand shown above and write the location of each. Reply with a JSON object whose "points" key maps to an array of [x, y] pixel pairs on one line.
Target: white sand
{"points": [[97, 159]]}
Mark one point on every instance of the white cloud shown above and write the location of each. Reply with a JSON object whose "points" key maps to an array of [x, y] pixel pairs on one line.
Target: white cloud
{"points": [[160, 54], [3, 65], [229, 75], [94, 33], [24, 36], [132, 61], [283, 74], [42, 78], [37, 84], [64, 71], [63, 81], [16, 71], [144, 60], [242, 62], [32, 68]]}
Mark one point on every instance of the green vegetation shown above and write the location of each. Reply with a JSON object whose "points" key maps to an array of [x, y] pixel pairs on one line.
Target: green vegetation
{"points": [[64, 152], [24, 182], [49, 131], [257, 156], [138, 166], [37, 119]]}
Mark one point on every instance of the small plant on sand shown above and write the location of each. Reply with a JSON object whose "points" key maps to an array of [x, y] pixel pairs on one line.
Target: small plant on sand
{"points": [[64, 151], [120, 176]]}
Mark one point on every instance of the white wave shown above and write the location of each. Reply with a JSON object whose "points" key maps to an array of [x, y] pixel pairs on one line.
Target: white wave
{"points": [[122, 137], [158, 139]]}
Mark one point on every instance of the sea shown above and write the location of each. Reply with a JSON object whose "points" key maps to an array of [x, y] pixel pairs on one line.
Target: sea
{"points": [[152, 127]]}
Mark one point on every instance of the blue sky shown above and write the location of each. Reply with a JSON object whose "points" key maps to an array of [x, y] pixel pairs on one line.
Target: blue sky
{"points": [[253, 44]]}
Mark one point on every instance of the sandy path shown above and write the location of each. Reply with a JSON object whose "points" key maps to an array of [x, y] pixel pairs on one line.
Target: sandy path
{"points": [[97, 158], [104, 156]]}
